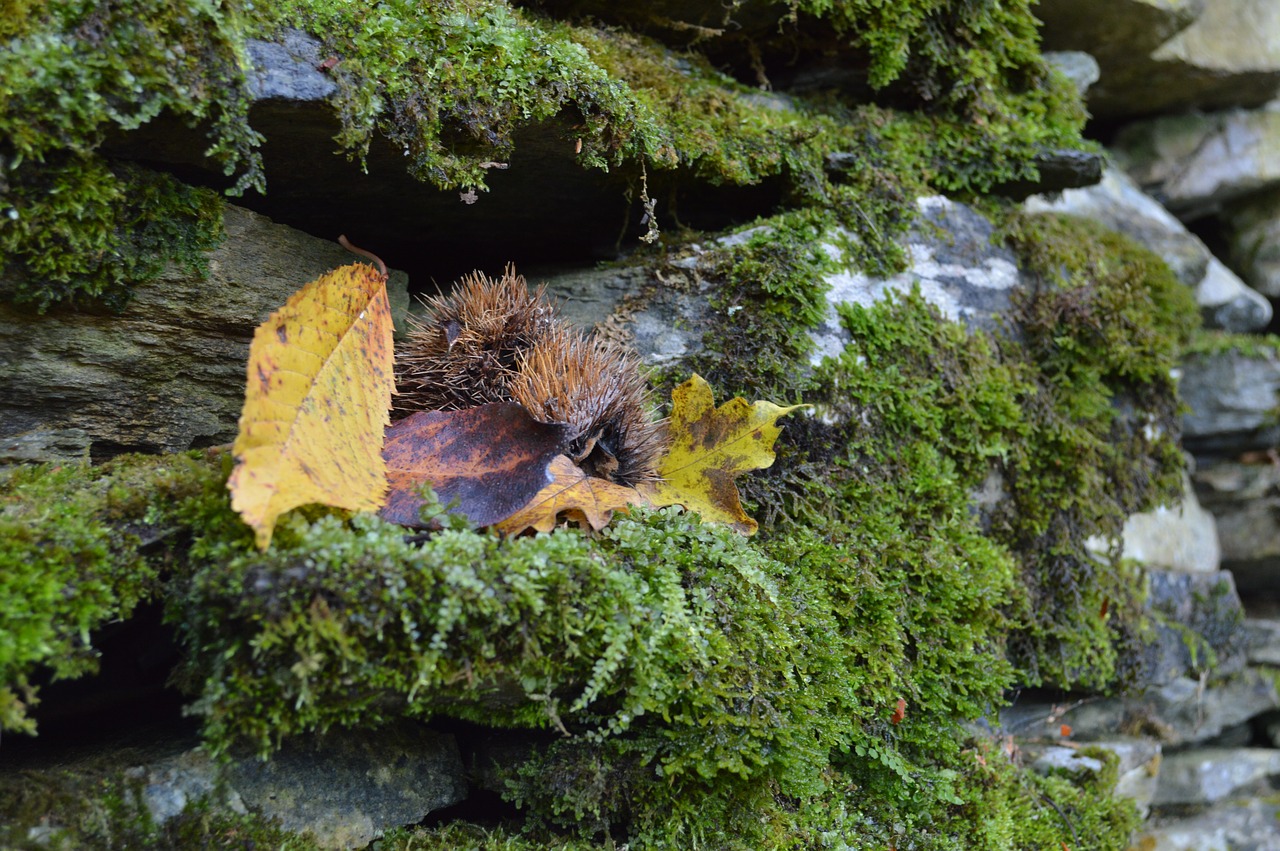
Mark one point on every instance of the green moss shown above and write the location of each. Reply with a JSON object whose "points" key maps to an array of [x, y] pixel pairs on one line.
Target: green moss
{"points": [[70, 560], [715, 692], [1049, 417], [1209, 341], [1101, 329], [454, 88], [72, 227], [81, 230], [768, 290], [462, 836]]}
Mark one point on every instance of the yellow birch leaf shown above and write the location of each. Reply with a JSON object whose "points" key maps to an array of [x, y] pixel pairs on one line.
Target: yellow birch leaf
{"points": [[317, 400], [709, 447], [572, 492]]}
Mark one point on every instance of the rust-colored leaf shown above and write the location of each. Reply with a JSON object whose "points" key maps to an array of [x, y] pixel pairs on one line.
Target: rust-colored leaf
{"points": [[576, 496], [319, 389], [491, 458], [710, 447]]}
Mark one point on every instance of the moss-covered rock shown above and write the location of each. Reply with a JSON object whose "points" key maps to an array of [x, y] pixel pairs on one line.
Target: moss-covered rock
{"points": [[76, 227], [452, 93], [167, 373], [72, 542], [807, 688], [104, 804]]}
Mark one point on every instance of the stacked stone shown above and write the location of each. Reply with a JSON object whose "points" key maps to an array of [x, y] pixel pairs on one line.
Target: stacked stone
{"points": [[1186, 93], [1187, 96]]}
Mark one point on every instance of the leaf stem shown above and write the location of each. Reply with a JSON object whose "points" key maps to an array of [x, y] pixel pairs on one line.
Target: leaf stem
{"points": [[345, 243]]}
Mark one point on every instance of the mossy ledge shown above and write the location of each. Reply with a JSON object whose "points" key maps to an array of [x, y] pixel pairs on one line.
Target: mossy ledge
{"points": [[960, 113], [810, 685]]}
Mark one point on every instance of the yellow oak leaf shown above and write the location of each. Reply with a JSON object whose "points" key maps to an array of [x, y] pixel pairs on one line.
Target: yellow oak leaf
{"points": [[576, 495], [709, 447], [317, 401]]}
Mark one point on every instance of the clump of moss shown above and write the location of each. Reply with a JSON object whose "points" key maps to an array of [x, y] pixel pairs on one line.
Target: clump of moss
{"points": [[704, 681], [769, 289], [1101, 329], [973, 79], [1073, 417], [71, 224], [966, 87], [71, 559], [82, 230], [711, 691], [472, 837], [454, 87], [1209, 341]]}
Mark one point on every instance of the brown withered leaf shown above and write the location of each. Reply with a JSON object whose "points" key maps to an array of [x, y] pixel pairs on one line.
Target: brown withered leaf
{"points": [[492, 459], [574, 494]]}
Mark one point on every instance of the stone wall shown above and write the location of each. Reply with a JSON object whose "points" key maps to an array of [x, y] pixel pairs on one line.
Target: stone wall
{"points": [[733, 169]]}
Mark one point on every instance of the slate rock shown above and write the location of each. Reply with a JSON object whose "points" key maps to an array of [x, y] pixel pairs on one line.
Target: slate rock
{"points": [[344, 789], [658, 311], [1263, 638], [1121, 35], [1195, 163], [1167, 56], [189, 777], [1183, 712], [1245, 499], [1238, 493], [1181, 537], [350, 787], [1137, 770], [1228, 304], [1231, 398], [951, 259], [288, 69], [1199, 626], [663, 307], [1230, 826], [1118, 203], [1254, 237], [1203, 776], [1081, 68], [1058, 759], [169, 373], [1057, 169]]}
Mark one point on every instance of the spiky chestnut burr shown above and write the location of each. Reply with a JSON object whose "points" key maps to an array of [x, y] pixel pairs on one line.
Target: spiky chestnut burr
{"points": [[494, 341], [596, 388], [467, 350]]}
